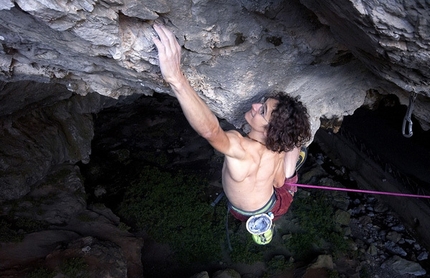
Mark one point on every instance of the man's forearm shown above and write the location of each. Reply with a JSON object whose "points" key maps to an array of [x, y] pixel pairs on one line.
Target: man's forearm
{"points": [[195, 109], [198, 114]]}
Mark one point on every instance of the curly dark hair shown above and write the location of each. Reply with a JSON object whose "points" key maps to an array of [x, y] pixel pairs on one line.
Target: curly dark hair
{"points": [[289, 125]]}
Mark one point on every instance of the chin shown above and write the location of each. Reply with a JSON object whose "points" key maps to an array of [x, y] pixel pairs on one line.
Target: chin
{"points": [[248, 116]]}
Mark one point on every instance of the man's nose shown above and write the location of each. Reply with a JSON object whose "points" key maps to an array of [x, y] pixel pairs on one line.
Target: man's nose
{"points": [[256, 106]]}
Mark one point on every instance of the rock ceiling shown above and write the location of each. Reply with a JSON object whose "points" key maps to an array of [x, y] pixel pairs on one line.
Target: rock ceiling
{"points": [[328, 52]]}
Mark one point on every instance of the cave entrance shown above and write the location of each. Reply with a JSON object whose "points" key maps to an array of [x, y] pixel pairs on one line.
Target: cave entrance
{"points": [[370, 143], [378, 133]]}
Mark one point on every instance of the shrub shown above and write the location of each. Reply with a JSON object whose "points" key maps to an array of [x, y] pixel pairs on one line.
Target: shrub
{"points": [[172, 208]]}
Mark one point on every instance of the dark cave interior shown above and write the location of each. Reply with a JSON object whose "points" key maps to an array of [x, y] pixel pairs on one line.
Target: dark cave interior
{"points": [[131, 130]]}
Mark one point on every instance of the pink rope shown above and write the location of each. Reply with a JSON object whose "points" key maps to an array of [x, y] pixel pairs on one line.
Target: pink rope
{"points": [[361, 191]]}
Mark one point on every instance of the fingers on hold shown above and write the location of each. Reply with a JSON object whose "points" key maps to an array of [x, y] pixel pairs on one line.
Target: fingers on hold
{"points": [[166, 38]]}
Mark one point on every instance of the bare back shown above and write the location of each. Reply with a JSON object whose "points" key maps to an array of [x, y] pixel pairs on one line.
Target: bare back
{"points": [[249, 182]]}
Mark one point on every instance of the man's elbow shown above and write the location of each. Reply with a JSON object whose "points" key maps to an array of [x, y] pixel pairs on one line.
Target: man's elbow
{"points": [[211, 134]]}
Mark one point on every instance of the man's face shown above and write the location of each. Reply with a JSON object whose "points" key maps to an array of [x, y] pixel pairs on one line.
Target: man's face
{"points": [[260, 113]]}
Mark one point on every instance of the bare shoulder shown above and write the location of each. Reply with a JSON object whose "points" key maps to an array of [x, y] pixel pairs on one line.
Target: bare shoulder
{"points": [[236, 147]]}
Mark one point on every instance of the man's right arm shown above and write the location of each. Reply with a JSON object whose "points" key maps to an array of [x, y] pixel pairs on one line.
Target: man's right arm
{"points": [[198, 114]]}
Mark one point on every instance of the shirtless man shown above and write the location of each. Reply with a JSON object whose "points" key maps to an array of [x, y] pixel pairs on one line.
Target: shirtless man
{"points": [[258, 167]]}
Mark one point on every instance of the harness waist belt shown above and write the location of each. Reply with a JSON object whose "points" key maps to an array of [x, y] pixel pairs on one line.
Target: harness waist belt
{"points": [[266, 208]]}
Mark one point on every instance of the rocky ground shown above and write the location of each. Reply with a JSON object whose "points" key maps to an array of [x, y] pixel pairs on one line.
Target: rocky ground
{"points": [[382, 245]]}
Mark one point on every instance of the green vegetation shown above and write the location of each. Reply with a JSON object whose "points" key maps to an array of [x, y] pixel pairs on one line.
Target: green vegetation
{"points": [[316, 221], [70, 268], [173, 209], [85, 217], [9, 228], [332, 273], [276, 265], [245, 250], [41, 273], [7, 234], [160, 158], [123, 227], [364, 272], [75, 268], [30, 225]]}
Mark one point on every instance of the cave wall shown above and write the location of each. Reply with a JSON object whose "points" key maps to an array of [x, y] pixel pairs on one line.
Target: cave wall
{"points": [[54, 128], [391, 38]]}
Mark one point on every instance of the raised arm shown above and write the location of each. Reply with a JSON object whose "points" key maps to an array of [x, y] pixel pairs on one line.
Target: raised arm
{"points": [[198, 114]]}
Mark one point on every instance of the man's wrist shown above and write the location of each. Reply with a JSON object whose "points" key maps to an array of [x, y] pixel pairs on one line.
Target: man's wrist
{"points": [[178, 83]]}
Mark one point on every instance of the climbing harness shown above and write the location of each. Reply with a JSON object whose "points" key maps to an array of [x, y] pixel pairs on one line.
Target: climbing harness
{"points": [[214, 203], [260, 226], [407, 121], [361, 191], [264, 221], [226, 229]]}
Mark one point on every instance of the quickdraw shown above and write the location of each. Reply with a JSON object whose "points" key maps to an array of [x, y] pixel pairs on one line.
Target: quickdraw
{"points": [[407, 120]]}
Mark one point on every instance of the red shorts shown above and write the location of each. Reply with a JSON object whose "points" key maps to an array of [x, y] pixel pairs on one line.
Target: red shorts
{"points": [[282, 204]]}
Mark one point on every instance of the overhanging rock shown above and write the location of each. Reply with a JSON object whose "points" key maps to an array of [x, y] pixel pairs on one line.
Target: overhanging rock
{"points": [[233, 52]]}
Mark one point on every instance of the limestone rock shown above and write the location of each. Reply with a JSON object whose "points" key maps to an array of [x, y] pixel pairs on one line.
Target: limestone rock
{"points": [[34, 246], [394, 236], [6, 4], [395, 249], [227, 273], [233, 52], [145, 9], [37, 138], [323, 261], [372, 250], [342, 217], [403, 266], [391, 39], [98, 258], [203, 274], [320, 267], [423, 256]]}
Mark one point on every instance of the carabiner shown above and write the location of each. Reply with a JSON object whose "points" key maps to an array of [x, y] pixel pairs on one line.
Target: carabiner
{"points": [[407, 120]]}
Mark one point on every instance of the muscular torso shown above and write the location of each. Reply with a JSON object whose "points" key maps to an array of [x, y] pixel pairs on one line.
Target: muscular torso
{"points": [[249, 183]]}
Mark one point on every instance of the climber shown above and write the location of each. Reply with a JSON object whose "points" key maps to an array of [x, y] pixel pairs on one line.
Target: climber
{"points": [[258, 167]]}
